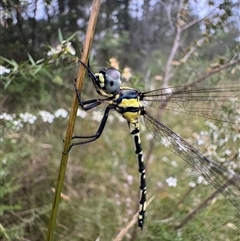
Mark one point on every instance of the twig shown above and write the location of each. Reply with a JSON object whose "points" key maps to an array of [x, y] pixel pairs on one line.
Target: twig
{"points": [[203, 205], [195, 21], [72, 117], [197, 210], [174, 47], [134, 219], [166, 79], [214, 71]]}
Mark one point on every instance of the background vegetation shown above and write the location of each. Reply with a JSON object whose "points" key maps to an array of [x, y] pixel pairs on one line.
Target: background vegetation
{"points": [[155, 44]]}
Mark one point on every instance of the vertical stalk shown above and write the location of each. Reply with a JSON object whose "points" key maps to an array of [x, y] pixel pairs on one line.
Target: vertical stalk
{"points": [[72, 117]]}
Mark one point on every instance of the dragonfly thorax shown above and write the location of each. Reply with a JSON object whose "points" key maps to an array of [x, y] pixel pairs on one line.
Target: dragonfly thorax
{"points": [[128, 104]]}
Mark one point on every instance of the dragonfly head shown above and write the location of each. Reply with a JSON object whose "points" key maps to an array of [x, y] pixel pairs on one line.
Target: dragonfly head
{"points": [[107, 82]]}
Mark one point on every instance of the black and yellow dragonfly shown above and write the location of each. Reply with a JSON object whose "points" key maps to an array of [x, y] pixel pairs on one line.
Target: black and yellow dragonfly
{"points": [[214, 103]]}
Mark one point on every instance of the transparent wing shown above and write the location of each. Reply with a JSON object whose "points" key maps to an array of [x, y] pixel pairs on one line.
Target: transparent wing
{"points": [[222, 179], [212, 103]]}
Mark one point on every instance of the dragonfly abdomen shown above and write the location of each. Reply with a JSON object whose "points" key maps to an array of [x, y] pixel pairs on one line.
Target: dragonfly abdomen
{"points": [[134, 130]]}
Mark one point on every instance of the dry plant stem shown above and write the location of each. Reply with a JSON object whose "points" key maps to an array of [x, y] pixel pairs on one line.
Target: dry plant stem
{"points": [[175, 46], [72, 117], [197, 210], [202, 206], [215, 71], [195, 21], [131, 223], [171, 212], [166, 79], [167, 76]]}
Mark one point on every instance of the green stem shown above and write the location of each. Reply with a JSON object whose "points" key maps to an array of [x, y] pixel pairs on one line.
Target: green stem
{"points": [[72, 117]]}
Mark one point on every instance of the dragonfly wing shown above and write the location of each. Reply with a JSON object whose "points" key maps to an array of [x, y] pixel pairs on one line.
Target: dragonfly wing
{"points": [[222, 179], [212, 103]]}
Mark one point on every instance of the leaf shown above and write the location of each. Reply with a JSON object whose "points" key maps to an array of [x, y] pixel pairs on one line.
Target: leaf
{"points": [[57, 80], [60, 36], [7, 83], [71, 37], [11, 62], [31, 59]]}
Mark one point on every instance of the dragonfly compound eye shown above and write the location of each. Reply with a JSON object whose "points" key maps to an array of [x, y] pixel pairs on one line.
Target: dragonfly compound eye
{"points": [[112, 81]]}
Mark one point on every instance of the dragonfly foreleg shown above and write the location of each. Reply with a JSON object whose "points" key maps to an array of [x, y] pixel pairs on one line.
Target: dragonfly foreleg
{"points": [[86, 105]]}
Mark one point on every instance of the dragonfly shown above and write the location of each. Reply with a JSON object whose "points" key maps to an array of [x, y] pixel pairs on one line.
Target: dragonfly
{"points": [[132, 105]]}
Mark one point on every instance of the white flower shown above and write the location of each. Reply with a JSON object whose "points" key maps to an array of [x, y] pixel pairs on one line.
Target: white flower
{"points": [[149, 136], [61, 113], [202, 180], [4, 70], [3, 173], [211, 150], [17, 124], [27, 117], [46, 116], [130, 179], [165, 159], [192, 184], [69, 48], [97, 116], [171, 181], [227, 152], [4, 160], [212, 125], [7, 117], [200, 141], [81, 113], [236, 137], [55, 51], [65, 46], [174, 164]]}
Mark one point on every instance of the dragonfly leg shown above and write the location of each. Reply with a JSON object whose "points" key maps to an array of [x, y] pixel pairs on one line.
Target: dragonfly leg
{"points": [[86, 105], [91, 138], [134, 130]]}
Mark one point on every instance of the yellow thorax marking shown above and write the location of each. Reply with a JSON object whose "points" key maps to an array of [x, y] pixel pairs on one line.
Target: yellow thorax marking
{"points": [[101, 79], [130, 103]]}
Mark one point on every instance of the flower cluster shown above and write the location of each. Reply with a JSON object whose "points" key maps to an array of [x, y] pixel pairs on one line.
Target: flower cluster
{"points": [[4, 70], [171, 181], [17, 121], [65, 47]]}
